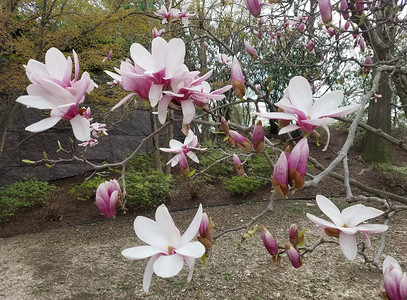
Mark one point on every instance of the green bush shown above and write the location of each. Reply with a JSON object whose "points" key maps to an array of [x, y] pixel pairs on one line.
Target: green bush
{"points": [[87, 189], [257, 165], [147, 189], [27, 193], [241, 186]]}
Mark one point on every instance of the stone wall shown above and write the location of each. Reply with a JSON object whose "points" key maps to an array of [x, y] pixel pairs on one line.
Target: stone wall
{"points": [[123, 138]]}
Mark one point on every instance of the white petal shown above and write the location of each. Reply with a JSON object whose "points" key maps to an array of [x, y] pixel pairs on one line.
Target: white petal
{"points": [[192, 249], [277, 116], [56, 63], [288, 128], [81, 128], [168, 266], [193, 156], [148, 272], [43, 124], [159, 52], [155, 94], [372, 228], [348, 245], [321, 222], [330, 210], [175, 145], [188, 110], [167, 226], [191, 263], [193, 228], [326, 104], [36, 102], [300, 94], [149, 232], [140, 252], [162, 108], [358, 213], [388, 261], [175, 56], [141, 56]]}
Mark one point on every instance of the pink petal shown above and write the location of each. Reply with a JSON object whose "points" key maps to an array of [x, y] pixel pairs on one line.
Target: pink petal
{"points": [[140, 252], [358, 213], [123, 101], [391, 288], [80, 127], [192, 249], [193, 156], [188, 110], [330, 210], [193, 228], [388, 261], [348, 245], [44, 124], [159, 51], [168, 266]]}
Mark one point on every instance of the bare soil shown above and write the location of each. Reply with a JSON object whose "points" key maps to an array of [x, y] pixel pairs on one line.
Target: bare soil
{"points": [[69, 251]]}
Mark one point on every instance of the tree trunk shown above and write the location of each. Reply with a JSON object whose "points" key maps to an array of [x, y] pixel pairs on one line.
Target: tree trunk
{"points": [[376, 149]]}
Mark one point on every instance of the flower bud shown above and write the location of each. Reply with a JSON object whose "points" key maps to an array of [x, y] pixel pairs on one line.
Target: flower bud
{"points": [[224, 126], [293, 255], [368, 61], [238, 165], [183, 164], [347, 24], [205, 232], [325, 9], [269, 241], [108, 196], [237, 78], [344, 9], [238, 139], [249, 48], [280, 176], [297, 164], [258, 137], [254, 7]]}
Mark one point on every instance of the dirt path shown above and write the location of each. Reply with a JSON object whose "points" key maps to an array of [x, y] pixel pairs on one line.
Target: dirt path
{"points": [[84, 262]]}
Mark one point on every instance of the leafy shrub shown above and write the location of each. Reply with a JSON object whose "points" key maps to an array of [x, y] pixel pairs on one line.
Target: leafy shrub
{"points": [[257, 165], [241, 186], [221, 169], [27, 193], [87, 189], [147, 189]]}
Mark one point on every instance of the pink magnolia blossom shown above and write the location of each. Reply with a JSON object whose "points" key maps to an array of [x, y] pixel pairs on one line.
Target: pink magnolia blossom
{"points": [[297, 164], [98, 129], [107, 195], [182, 150], [345, 224], [157, 33], [249, 48], [167, 15], [237, 78], [188, 91], [395, 281], [298, 106], [167, 249], [184, 16], [280, 175], [92, 142], [224, 59], [254, 6], [258, 137], [52, 88], [325, 8], [293, 255], [205, 44], [109, 56]]}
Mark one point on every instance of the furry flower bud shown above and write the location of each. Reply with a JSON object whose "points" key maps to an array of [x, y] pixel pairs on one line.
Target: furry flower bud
{"points": [[280, 176], [258, 137], [237, 78]]}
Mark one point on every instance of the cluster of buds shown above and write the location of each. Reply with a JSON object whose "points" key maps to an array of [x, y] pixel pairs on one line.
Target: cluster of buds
{"points": [[108, 197], [292, 252], [290, 168], [205, 232]]}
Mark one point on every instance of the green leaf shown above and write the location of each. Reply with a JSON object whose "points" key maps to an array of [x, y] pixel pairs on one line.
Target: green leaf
{"points": [[192, 173], [27, 161]]}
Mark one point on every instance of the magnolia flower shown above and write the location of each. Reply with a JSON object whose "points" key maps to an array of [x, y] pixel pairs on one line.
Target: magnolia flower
{"points": [[183, 150], [205, 232], [235, 138], [258, 137], [109, 56], [237, 78], [310, 45], [224, 59], [157, 33], [345, 224], [297, 164], [280, 175], [249, 48], [167, 249], [98, 129], [293, 255], [107, 196], [254, 6], [395, 281], [298, 105], [325, 9], [92, 142], [184, 16], [52, 88], [238, 165], [167, 15], [268, 241]]}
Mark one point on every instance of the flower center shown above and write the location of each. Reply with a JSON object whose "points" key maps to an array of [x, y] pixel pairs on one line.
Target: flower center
{"points": [[333, 232], [171, 250]]}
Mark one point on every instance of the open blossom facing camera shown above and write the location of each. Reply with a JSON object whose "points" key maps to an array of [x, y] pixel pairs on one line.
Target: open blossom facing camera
{"points": [[52, 88], [184, 150], [345, 224], [167, 249], [298, 106]]}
